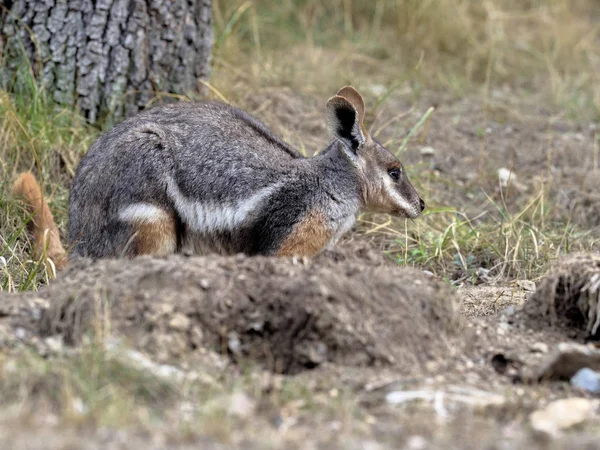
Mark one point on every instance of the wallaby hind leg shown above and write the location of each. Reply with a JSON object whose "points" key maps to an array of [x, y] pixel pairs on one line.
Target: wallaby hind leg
{"points": [[154, 231], [308, 236]]}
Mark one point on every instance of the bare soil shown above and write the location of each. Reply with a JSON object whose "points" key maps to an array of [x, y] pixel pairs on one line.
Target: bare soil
{"points": [[348, 321], [347, 307], [350, 326]]}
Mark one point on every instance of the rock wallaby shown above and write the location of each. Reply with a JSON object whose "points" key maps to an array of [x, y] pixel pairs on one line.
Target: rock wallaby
{"points": [[208, 177]]}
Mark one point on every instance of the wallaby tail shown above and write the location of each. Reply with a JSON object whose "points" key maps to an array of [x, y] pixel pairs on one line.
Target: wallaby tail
{"points": [[43, 230]]}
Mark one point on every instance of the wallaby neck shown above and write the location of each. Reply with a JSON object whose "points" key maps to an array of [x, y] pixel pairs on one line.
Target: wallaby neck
{"points": [[337, 174]]}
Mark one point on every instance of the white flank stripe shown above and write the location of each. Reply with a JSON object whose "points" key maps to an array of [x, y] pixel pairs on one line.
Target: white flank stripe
{"points": [[142, 212], [210, 217]]}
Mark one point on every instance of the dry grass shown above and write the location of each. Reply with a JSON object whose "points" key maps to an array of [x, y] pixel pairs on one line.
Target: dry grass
{"points": [[281, 60], [546, 47], [545, 51], [502, 242], [34, 135], [91, 388]]}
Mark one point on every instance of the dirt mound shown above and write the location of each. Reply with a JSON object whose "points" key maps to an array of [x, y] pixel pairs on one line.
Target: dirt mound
{"points": [[569, 297], [289, 314]]}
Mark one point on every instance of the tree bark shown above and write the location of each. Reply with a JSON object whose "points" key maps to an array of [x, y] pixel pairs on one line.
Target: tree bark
{"points": [[107, 56]]}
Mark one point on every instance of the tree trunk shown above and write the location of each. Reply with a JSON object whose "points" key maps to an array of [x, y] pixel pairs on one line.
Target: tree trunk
{"points": [[107, 56]]}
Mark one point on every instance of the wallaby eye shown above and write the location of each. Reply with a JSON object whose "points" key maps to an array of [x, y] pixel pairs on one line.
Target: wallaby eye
{"points": [[395, 173]]}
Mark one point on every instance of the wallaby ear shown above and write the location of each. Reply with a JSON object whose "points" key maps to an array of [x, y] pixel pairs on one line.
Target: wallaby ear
{"points": [[354, 97], [344, 122]]}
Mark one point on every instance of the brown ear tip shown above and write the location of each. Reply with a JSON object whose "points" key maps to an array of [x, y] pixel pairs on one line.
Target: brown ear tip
{"points": [[338, 100], [346, 87], [348, 90]]}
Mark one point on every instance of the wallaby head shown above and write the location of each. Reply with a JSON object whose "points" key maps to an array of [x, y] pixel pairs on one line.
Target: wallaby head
{"points": [[383, 184]]}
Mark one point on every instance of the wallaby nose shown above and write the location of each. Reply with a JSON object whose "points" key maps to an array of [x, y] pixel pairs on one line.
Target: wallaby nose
{"points": [[422, 203]]}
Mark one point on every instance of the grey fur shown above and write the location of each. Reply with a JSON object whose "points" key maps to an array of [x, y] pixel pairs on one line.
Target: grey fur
{"points": [[215, 156]]}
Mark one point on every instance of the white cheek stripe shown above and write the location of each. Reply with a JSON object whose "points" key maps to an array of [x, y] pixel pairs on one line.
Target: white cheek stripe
{"points": [[142, 212], [400, 201], [210, 217]]}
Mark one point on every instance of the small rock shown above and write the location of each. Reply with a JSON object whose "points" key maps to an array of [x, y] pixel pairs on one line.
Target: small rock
{"points": [[234, 343], [503, 329], [367, 445], [586, 379], [79, 407], [20, 333], [54, 343], [483, 274], [562, 414], [505, 176], [36, 314], [2, 262], [428, 273], [539, 347], [165, 308], [427, 151], [416, 442], [509, 311], [179, 322], [335, 425], [240, 405]]}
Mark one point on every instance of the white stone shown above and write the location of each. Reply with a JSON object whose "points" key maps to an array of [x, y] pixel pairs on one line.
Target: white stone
{"points": [[179, 322], [427, 151], [562, 414], [240, 405], [505, 176], [539, 347]]}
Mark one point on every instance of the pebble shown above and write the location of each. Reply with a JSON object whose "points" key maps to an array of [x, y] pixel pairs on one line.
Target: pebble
{"points": [[416, 442], [20, 333], [240, 405], [427, 151], [55, 344], [562, 414], [505, 176], [79, 407], [586, 379], [539, 347], [503, 328], [179, 322], [509, 310], [234, 343]]}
